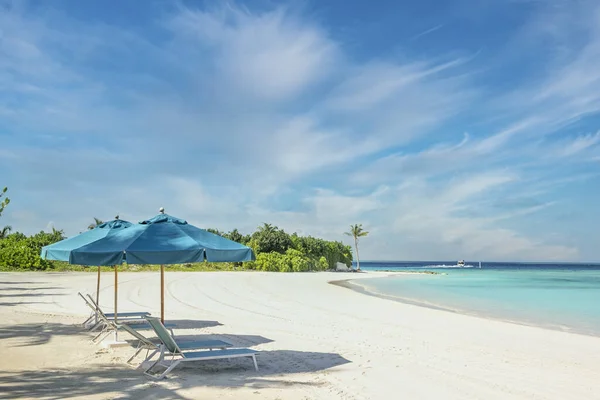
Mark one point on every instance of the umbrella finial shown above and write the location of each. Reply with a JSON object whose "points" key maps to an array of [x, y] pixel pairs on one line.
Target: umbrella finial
{"points": [[161, 210], [117, 217]]}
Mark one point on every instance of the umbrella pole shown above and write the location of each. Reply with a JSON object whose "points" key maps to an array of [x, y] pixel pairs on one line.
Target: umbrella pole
{"points": [[162, 294], [116, 290], [98, 294]]}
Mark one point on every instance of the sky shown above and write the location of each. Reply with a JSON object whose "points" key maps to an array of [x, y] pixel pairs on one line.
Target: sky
{"points": [[450, 130]]}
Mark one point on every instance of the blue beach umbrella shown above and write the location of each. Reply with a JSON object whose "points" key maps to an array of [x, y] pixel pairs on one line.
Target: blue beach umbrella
{"points": [[161, 240], [63, 250]]}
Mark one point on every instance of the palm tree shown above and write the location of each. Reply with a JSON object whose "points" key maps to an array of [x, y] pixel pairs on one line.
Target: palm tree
{"points": [[3, 203], [267, 228], [356, 231], [95, 224], [5, 231]]}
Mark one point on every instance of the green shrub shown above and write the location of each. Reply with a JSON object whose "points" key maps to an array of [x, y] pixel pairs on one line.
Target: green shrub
{"points": [[323, 265], [297, 261], [18, 252]]}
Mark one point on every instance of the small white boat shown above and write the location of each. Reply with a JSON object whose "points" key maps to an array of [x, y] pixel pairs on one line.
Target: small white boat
{"points": [[461, 263]]}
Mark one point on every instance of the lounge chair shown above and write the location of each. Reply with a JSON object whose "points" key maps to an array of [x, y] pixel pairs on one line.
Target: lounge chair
{"points": [[147, 344], [128, 316], [109, 326], [171, 348]]}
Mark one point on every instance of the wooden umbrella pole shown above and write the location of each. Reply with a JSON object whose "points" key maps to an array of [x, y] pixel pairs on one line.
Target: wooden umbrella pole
{"points": [[98, 294], [162, 294], [116, 290]]}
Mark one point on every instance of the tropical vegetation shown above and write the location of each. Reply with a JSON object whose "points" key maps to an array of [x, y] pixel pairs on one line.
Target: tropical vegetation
{"points": [[275, 250], [96, 223], [3, 202], [357, 231]]}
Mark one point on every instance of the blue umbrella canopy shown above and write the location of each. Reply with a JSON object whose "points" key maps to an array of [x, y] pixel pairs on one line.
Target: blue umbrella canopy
{"points": [[62, 251], [163, 239]]}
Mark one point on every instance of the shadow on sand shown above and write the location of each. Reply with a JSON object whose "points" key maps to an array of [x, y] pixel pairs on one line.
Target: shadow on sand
{"points": [[39, 333], [107, 380], [276, 369], [18, 303], [115, 381], [36, 294], [26, 289], [25, 292]]}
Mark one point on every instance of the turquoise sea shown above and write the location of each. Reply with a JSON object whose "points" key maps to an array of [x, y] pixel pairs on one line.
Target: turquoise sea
{"points": [[556, 296]]}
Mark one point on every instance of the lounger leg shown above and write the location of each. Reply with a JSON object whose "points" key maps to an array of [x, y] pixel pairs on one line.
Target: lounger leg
{"points": [[161, 357], [149, 357], [87, 321], [93, 328], [98, 335], [105, 333], [147, 371], [255, 363], [173, 365], [90, 325], [157, 362], [135, 354]]}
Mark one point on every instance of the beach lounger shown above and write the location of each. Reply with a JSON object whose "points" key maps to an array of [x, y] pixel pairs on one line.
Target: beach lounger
{"points": [[109, 325], [134, 316], [147, 344], [173, 349]]}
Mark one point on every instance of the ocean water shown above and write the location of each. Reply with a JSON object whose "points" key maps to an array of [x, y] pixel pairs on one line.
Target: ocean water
{"points": [[555, 296]]}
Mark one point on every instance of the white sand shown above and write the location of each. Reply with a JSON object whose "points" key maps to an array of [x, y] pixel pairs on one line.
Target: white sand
{"points": [[318, 341]]}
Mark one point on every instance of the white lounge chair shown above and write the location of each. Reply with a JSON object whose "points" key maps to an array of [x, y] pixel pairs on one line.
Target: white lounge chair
{"points": [[146, 344], [127, 316], [171, 348], [109, 326]]}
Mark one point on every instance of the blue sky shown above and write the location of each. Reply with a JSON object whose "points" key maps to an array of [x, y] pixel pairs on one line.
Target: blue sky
{"points": [[466, 129]]}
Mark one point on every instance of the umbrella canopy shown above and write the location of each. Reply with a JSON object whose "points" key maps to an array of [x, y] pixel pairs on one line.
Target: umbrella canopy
{"points": [[160, 240], [63, 250]]}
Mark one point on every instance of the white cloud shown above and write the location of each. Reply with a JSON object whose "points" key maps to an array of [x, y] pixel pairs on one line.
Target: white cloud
{"points": [[565, 86], [445, 158], [271, 55], [380, 82], [580, 144], [429, 222]]}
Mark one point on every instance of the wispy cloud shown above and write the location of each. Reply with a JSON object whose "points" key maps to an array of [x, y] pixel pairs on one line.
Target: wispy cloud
{"points": [[580, 144], [427, 31], [271, 56]]}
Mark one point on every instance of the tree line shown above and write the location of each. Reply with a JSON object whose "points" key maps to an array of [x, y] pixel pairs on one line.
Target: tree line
{"points": [[275, 249]]}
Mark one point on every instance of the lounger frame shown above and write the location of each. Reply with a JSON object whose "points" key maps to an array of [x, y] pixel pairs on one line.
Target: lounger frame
{"points": [[96, 310], [146, 344], [169, 347]]}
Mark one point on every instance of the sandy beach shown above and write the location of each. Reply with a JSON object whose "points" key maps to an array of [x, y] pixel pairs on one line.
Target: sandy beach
{"points": [[316, 341]]}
